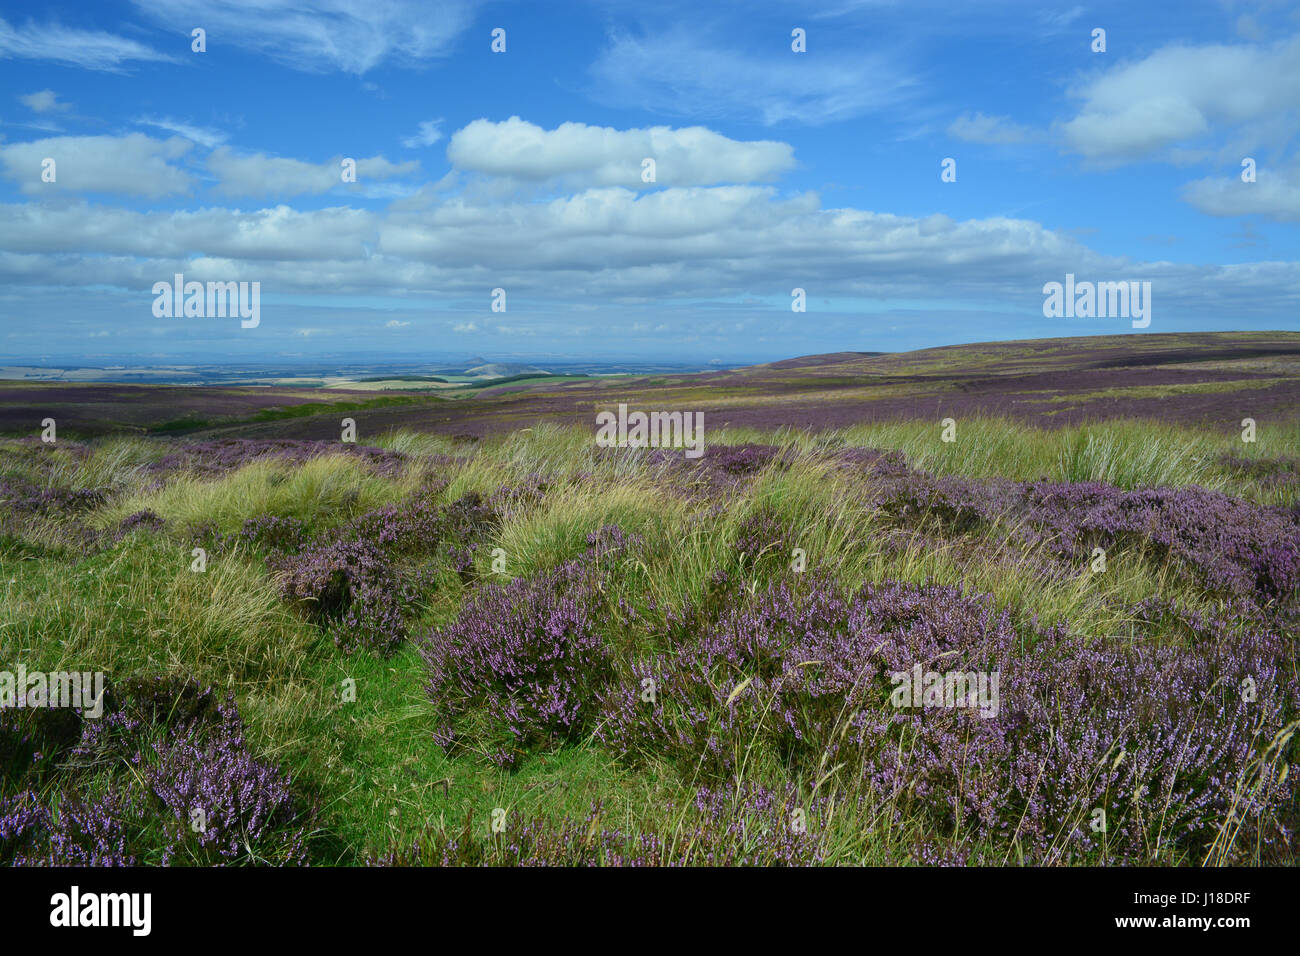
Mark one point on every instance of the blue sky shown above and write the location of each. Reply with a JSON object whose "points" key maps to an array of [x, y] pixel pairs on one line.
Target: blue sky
{"points": [[522, 170]]}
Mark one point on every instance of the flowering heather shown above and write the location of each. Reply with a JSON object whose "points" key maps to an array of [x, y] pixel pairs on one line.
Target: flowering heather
{"points": [[213, 459], [610, 541], [1270, 472], [19, 495], [145, 519], [1234, 547], [352, 587], [721, 467], [746, 826], [511, 501], [81, 830], [128, 790], [764, 537], [529, 653], [286, 535], [361, 579], [805, 672]]}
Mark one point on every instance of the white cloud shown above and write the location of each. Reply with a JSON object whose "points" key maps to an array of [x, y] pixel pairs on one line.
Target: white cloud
{"points": [[978, 128], [89, 49], [596, 155], [43, 101], [261, 175], [317, 36], [1274, 195], [132, 165], [394, 324], [679, 245], [1180, 93], [682, 73], [429, 133], [208, 138]]}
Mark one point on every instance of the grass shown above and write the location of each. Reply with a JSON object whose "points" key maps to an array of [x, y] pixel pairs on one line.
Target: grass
{"points": [[327, 488], [139, 609], [371, 764]]}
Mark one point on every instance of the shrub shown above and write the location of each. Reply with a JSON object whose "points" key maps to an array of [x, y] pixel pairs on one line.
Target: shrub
{"points": [[528, 654]]}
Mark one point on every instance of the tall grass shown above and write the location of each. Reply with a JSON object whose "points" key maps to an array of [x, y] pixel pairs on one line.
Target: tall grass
{"points": [[372, 765]]}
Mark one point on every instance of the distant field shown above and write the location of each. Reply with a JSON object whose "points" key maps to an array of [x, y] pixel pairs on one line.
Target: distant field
{"points": [[1209, 380]]}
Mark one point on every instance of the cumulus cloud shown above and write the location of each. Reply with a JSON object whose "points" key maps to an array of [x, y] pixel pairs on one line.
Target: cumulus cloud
{"points": [[318, 36], [261, 175], [132, 165], [609, 245], [602, 156], [43, 101], [1274, 195], [1182, 92], [89, 49]]}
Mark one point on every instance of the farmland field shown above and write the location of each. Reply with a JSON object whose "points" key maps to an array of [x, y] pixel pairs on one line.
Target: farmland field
{"points": [[473, 635]]}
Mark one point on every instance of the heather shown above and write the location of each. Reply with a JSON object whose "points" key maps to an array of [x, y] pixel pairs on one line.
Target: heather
{"points": [[163, 777], [379, 652]]}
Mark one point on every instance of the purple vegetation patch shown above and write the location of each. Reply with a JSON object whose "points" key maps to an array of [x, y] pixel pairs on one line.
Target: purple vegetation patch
{"points": [[530, 654], [807, 672], [164, 776]]}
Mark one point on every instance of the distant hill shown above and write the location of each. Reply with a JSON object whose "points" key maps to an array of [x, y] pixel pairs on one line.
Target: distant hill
{"points": [[1210, 379], [502, 369]]}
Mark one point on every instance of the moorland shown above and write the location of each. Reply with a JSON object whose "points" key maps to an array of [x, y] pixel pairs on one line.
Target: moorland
{"points": [[473, 636]]}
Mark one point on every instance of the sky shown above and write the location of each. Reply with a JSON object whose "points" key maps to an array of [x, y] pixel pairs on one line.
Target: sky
{"points": [[524, 169]]}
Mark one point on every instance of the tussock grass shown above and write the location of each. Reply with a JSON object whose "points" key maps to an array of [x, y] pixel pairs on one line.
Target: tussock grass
{"points": [[1126, 453], [138, 609], [330, 487], [557, 531]]}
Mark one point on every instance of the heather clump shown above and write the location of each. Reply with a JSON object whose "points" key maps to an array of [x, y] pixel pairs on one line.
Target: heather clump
{"points": [[24, 497], [1162, 738], [1165, 740], [164, 776], [286, 535], [763, 538], [795, 665], [610, 541], [353, 589], [363, 580], [145, 520], [1281, 473], [1231, 546], [524, 660]]}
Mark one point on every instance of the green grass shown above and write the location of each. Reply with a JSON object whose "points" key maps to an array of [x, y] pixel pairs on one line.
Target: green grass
{"points": [[328, 488], [371, 765]]}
